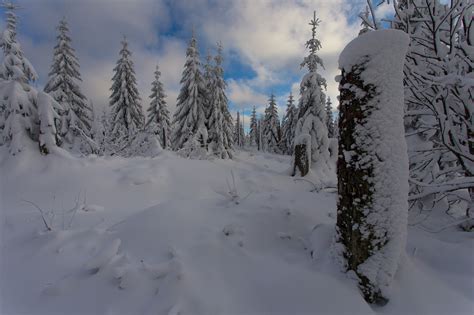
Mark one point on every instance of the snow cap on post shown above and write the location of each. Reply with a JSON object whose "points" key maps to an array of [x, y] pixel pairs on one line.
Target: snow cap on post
{"points": [[373, 162]]}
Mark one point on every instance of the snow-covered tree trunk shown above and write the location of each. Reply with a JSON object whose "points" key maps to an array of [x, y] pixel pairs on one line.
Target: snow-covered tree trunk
{"points": [[372, 167]]}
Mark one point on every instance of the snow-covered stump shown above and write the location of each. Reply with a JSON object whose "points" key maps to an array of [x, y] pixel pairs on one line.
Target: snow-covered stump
{"points": [[372, 167], [302, 155]]}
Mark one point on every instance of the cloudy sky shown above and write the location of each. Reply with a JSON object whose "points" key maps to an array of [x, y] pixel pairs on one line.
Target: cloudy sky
{"points": [[263, 41]]}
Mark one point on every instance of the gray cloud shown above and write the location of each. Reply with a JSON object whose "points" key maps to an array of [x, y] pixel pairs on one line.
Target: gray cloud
{"points": [[269, 36]]}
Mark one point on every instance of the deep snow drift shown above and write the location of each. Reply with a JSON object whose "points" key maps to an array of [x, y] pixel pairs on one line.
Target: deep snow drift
{"points": [[164, 236]]}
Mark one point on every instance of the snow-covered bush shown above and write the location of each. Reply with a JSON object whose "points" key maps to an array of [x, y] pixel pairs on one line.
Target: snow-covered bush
{"points": [[372, 167], [145, 144], [438, 98]]}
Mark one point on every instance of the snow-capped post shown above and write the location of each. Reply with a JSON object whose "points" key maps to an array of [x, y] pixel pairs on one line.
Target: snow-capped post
{"points": [[372, 167]]}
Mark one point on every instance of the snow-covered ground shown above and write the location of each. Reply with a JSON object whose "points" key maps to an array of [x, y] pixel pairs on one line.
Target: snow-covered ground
{"points": [[164, 236]]}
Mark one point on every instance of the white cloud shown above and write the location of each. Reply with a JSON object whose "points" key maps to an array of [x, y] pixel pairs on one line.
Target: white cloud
{"points": [[243, 96], [268, 36]]}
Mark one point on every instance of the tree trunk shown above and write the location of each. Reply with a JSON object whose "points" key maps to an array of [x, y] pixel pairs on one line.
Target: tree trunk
{"points": [[301, 160], [353, 183], [372, 165]]}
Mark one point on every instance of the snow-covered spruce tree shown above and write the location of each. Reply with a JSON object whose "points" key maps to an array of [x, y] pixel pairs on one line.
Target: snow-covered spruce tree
{"points": [[288, 126], [158, 114], [372, 167], [311, 135], [103, 138], [219, 121], [15, 66], [48, 135], [239, 134], [329, 118], [189, 134], [75, 123], [208, 78], [271, 127], [253, 133], [438, 100], [127, 117], [27, 115], [259, 133]]}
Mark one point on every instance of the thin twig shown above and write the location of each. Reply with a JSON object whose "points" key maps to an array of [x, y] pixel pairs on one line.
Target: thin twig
{"points": [[42, 214]]}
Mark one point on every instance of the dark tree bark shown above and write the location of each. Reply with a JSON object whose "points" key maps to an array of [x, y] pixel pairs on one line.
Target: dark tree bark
{"points": [[354, 188]]}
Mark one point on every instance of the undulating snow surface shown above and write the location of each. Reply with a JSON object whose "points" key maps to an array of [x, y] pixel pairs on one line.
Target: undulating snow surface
{"points": [[164, 236]]}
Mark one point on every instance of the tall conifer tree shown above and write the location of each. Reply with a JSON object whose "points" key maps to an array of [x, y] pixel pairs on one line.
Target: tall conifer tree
{"points": [[75, 124], [289, 126], [312, 111], [158, 113], [220, 120], [189, 119], [329, 118], [271, 126], [127, 116], [253, 134]]}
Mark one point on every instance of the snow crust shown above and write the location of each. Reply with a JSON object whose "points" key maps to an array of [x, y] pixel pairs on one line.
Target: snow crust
{"points": [[159, 243]]}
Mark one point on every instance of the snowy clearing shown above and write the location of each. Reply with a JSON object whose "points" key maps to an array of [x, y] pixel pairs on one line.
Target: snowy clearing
{"points": [[164, 236]]}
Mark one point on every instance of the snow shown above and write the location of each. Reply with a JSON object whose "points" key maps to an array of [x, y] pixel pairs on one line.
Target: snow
{"points": [[175, 245], [381, 137]]}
